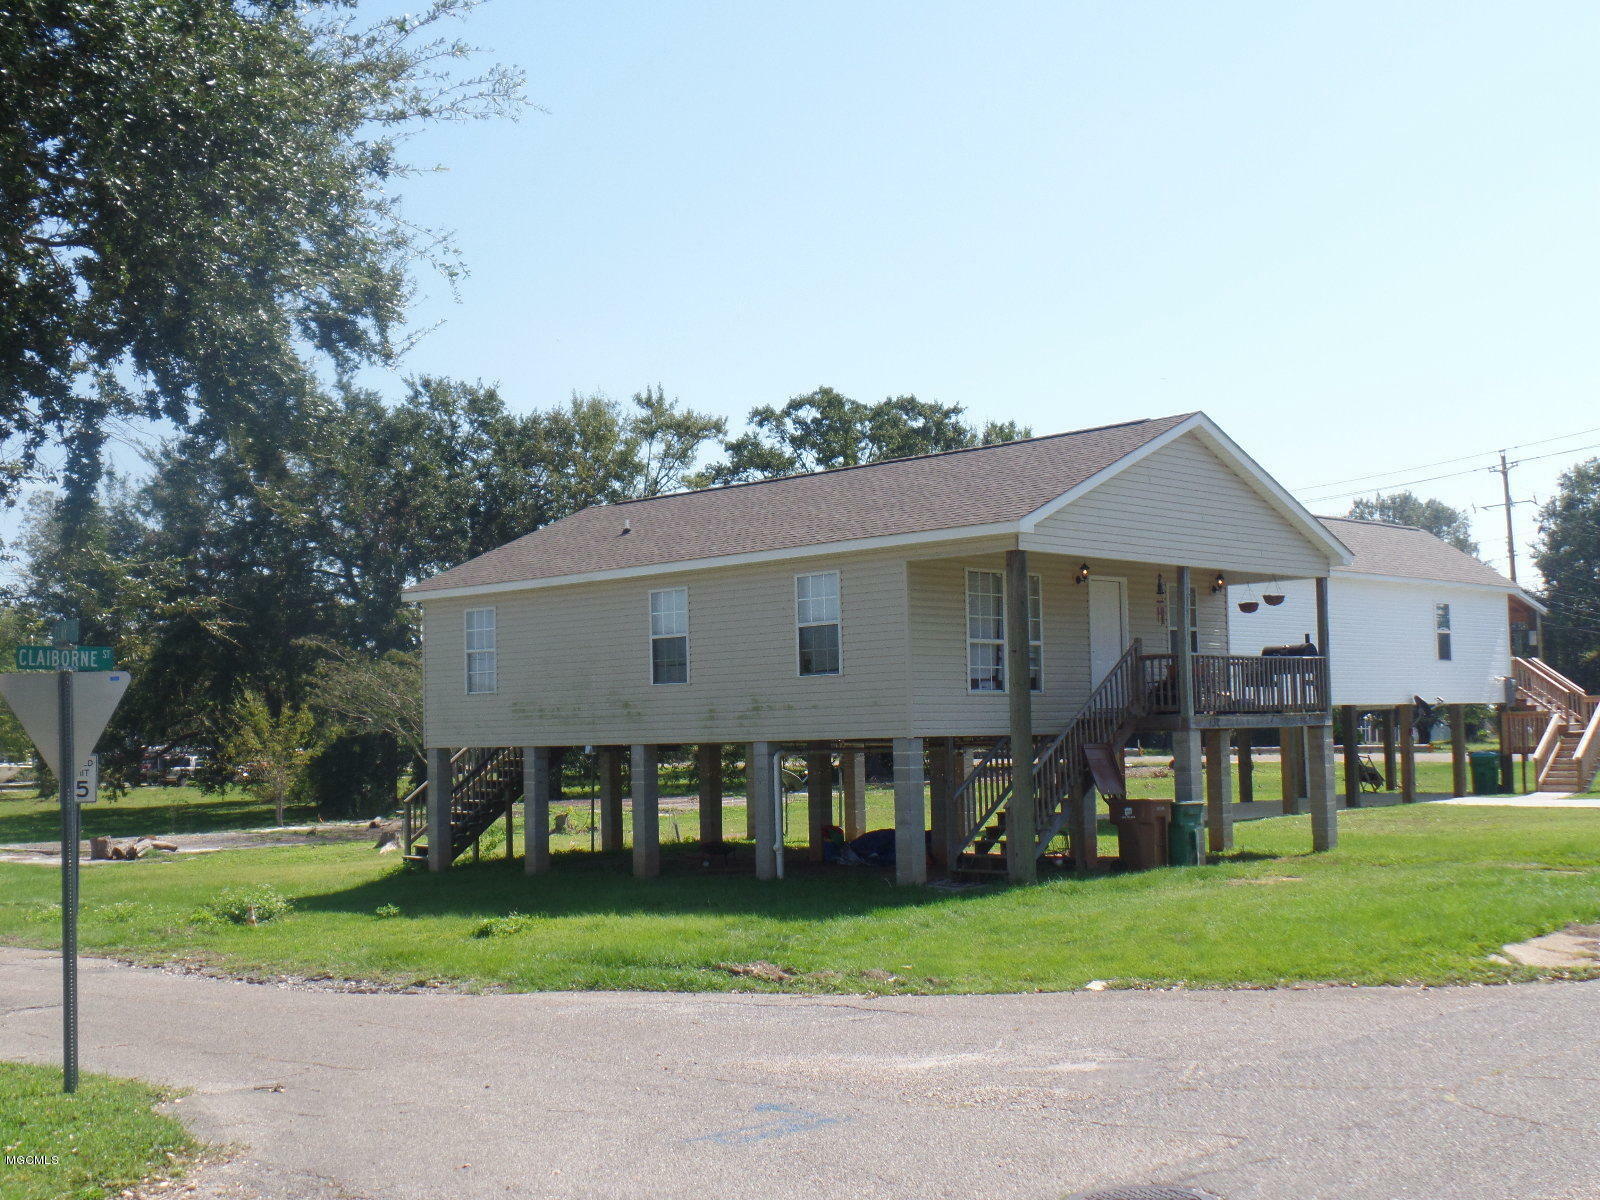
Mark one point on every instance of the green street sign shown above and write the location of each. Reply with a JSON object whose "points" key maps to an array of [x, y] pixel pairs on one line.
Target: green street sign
{"points": [[65, 658]]}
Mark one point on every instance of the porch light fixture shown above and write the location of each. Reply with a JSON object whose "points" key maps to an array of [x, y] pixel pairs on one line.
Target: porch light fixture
{"points": [[1218, 583], [1272, 598], [1083, 574], [1161, 585]]}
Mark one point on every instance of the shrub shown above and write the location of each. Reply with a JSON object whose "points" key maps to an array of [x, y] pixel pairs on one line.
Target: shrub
{"points": [[506, 926], [385, 911], [246, 906]]}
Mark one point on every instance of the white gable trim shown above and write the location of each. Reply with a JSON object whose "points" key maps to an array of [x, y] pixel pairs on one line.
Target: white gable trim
{"points": [[887, 541], [1226, 449]]}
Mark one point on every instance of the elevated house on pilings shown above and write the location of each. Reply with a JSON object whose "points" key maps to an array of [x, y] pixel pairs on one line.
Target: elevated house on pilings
{"points": [[1059, 593], [1414, 617]]}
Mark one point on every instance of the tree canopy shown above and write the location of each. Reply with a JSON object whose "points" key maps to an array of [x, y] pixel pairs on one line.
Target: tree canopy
{"points": [[825, 429], [1406, 508], [1568, 556], [197, 208]]}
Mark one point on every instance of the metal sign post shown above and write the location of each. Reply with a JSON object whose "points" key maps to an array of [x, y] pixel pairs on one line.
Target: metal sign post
{"points": [[66, 781]]}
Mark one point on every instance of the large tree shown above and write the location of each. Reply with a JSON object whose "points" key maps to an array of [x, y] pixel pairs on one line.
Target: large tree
{"points": [[1568, 557], [197, 211], [1407, 508], [825, 429]]}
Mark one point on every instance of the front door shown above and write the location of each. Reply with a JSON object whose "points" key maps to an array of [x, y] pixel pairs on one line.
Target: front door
{"points": [[1108, 625]]}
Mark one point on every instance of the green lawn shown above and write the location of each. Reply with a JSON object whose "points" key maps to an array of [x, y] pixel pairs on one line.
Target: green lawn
{"points": [[145, 810], [94, 1143], [1419, 894]]}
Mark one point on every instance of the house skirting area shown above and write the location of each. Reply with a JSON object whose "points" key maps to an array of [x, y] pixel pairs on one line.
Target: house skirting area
{"points": [[944, 822]]}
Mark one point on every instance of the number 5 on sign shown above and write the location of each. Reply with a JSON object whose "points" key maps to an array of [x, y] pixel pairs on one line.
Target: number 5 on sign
{"points": [[88, 783]]}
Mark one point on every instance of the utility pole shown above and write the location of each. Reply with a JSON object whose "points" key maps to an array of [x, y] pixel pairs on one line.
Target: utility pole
{"points": [[1511, 540]]}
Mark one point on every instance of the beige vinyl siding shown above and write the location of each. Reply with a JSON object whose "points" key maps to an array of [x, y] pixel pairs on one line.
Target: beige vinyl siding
{"points": [[942, 704], [1181, 504], [574, 662]]}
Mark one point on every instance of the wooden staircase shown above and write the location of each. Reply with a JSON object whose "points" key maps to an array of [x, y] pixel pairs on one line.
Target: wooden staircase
{"points": [[485, 786], [1568, 753], [1086, 757]]}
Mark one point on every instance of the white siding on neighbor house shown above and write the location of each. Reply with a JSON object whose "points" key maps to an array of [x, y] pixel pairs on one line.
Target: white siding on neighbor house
{"points": [[574, 662], [1181, 504], [1384, 649], [942, 703]]}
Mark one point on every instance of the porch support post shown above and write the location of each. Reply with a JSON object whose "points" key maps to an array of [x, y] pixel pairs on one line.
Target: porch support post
{"points": [[609, 766], [941, 783], [709, 767], [1243, 739], [441, 777], [759, 783], [853, 773], [535, 809], [1183, 648], [1219, 789], [910, 832], [1021, 864], [1408, 754], [1323, 629], [1458, 749], [646, 787], [1386, 720], [819, 797], [1323, 795], [1352, 756], [1500, 711]]}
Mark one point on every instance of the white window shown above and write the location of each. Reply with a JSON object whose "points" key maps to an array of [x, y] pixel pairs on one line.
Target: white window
{"points": [[669, 635], [480, 648], [1441, 630], [816, 617], [986, 632]]}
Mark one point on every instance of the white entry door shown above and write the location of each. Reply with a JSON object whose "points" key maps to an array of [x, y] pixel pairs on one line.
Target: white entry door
{"points": [[1108, 625]]}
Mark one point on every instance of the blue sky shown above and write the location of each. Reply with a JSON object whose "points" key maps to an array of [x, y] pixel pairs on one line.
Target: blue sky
{"points": [[1361, 236]]}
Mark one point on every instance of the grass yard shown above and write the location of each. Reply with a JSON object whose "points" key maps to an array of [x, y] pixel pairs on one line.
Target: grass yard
{"points": [[1415, 895], [145, 810], [95, 1143]]}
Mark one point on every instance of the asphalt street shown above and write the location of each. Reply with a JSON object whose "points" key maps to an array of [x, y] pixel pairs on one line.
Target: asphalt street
{"points": [[1321, 1094]]}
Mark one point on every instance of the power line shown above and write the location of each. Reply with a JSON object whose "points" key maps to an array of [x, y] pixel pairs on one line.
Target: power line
{"points": [[1444, 462], [1448, 475]]}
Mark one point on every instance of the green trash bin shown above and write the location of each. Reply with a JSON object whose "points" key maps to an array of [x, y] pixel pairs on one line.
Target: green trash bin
{"points": [[1186, 834], [1485, 772]]}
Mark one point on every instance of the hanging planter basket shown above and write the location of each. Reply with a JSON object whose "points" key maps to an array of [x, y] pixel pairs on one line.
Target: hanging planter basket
{"points": [[1273, 598], [1248, 606]]}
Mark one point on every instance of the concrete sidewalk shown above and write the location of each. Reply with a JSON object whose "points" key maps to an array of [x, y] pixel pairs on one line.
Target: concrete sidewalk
{"points": [[1481, 1093]]}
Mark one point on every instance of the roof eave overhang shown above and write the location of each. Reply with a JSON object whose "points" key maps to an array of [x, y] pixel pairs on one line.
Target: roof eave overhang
{"points": [[417, 595]]}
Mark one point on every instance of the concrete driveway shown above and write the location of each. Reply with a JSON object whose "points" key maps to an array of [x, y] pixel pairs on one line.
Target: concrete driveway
{"points": [[1335, 1093]]}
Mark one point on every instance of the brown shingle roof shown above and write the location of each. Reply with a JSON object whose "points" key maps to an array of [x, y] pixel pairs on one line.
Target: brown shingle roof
{"points": [[1408, 553], [979, 486]]}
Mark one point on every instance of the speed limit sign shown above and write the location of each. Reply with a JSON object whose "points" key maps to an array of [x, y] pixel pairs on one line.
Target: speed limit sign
{"points": [[87, 787]]}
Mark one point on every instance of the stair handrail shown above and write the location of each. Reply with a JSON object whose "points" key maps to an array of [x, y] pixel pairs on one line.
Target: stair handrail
{"points": [[1545, 752], [1587, 754], [1548, 689], [410, 832]]}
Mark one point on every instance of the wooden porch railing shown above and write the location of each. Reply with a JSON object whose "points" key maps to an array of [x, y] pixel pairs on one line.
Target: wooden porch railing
{"points": [[1234, 683], [1522, 730]]}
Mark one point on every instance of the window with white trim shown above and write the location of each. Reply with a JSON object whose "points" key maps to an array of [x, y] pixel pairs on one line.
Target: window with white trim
{"points": [[816, 617], [1441, 630], [669, 635], [986, 632], [479, 641]]}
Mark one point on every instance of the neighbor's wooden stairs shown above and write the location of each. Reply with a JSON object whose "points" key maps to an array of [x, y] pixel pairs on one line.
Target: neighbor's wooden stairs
{"points": [[1568, 753]]}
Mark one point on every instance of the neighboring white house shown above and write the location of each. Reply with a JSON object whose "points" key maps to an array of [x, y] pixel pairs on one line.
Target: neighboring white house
{"points": [[1410, 616]]}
